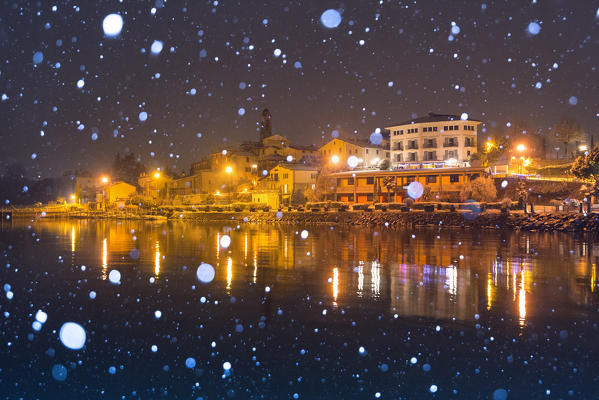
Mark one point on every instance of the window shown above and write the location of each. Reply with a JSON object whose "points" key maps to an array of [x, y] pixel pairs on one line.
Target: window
{"points": [[434, 128], [350, 181], [369, 197], [370, 180], [285, 176], [431, 179], [410, 179], [366, 151], [454, 178], [275, 177], [285, 188], [430, 156], [377, 152], [445, 128], [455, 127]]}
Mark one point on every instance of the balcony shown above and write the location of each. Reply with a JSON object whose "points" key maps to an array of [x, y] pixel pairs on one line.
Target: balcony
{"points": [[412, 146], [398, 147], [429, 145], [450, 144]]}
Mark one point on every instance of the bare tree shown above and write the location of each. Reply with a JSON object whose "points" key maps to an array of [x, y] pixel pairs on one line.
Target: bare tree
{"points": [[568, 130]]}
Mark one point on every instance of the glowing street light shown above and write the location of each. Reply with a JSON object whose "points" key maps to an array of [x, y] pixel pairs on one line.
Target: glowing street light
{"points": [[489, 146], [583, 147], [229, 169], [521, 148], [156, 174], [335, 159], [104, 179], [73, 197]]}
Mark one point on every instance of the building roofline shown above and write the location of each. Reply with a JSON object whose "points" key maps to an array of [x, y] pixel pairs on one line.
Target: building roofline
{"points": [[418, 171], [432, 117]]}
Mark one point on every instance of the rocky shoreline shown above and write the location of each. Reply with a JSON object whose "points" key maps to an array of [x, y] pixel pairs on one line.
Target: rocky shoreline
{"points": [[558, 222]]}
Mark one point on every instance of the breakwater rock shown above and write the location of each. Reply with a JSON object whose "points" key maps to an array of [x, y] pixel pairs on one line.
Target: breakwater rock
{"points": [[561, 222]]}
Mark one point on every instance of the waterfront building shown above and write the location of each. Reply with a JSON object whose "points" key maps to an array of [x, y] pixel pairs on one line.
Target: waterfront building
{"points": [[202, 182], [154, 184], [391, 186], [336, 153], [290, 181], [436, 140], [118, 192]]}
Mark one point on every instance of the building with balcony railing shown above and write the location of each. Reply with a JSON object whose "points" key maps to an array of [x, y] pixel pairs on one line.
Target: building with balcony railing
{"points": [[436, 140]]}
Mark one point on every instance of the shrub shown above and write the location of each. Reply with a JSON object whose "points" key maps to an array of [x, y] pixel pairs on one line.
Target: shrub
{"points": [[480, 189]]}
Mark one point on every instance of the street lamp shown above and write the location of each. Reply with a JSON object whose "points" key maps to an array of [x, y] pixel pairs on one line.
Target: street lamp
{"points": [[229, 171], [104, 179], [489, 146], [521, 148], [335, 159], [157, 175]]}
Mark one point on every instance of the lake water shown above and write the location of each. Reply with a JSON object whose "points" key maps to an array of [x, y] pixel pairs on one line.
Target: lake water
{"points": [[346, 312]]}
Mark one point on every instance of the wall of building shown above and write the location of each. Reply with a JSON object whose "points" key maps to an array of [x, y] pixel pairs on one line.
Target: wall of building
{"points": [[370, 155], [377, 186], [433, 141]]}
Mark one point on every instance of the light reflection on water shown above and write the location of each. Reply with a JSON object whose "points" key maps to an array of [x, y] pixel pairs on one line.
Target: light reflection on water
{"points": [[449, 274]]}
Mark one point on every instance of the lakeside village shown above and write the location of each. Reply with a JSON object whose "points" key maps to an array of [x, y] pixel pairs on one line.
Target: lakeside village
{"points": [[431, 163]]}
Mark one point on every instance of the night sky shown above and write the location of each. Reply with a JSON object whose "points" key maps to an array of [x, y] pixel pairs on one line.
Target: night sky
{"points": [[385, 62]]}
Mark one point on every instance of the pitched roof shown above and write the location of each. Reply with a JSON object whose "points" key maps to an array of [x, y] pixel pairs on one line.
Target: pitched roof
{"points": [[432, 117], [358, 141], [297, 167]]}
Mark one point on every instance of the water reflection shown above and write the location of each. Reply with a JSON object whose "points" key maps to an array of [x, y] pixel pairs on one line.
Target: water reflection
{"points": [[450, 274], [157, 260]]}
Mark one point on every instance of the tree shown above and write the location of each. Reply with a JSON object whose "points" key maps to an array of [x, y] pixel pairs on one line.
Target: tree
{"points": [[298, 198], [427, 194], [480, 189], [127, 168], [384, 164], [324, 184], [568, 130], [587, 167], [390, 183]]}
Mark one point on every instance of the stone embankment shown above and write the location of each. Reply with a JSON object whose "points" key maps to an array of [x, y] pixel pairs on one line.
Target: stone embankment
{"points": [[562, 222]]}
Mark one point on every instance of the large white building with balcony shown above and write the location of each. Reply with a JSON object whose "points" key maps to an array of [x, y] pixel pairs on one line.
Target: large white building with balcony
{"points": [[436, 140]]}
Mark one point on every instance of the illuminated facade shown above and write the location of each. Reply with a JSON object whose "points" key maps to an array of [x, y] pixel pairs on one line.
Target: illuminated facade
{"points": [[435, 140], [390, 186], [289, 180], [336, 153]]}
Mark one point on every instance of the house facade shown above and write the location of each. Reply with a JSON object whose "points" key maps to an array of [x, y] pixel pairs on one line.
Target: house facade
{"points": [[337, 152], [436, 140]]}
